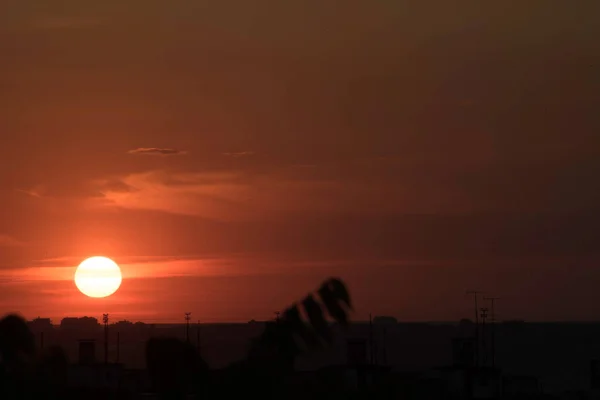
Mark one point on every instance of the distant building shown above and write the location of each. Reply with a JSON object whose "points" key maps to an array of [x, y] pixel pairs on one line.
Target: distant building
{"points": [[87, 352], [486, 383], [385, 320], [99, 376], [466, 328], [463, 352], [41, 324], [595, 374], [88, 373], [519, 385], [124, 325], [514, 322], [80, 324], [356, 352]]}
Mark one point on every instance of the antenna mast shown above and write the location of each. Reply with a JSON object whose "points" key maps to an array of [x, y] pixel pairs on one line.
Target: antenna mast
{"points": [[105, 320], [484, 315], [475, 293], [198, 337], [188, 316], [493, 320], [371, 342]]}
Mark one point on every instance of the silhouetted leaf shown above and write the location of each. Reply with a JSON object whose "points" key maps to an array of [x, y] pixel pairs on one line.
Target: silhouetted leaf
{"points": [[339, 291], [292, 317], [276, 348], [316, 318], [333, 307], [276, 334]]}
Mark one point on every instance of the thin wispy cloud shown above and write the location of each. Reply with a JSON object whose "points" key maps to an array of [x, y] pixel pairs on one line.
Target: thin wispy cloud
{"points": [[62, 269], [242, 196], [157, 151], [239, 154], [64, 23], [29, 192], [73, 261], [9, 241]]}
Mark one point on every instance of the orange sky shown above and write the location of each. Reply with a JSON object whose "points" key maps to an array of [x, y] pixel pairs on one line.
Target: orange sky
{"points": [[231, 156]]}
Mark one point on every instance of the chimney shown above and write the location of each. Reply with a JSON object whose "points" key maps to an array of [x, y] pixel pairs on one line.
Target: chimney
{"points": [[87, 352]]}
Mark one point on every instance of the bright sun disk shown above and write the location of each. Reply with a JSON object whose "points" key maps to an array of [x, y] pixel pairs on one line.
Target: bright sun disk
{"points": [[98, 277]]}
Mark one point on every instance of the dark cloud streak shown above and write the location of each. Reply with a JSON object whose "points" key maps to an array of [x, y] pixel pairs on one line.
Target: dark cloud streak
{"points": [[155, 151], [9, 241]]}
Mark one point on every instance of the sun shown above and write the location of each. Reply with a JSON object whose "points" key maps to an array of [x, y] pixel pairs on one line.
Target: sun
{"points": [[98, 277]]}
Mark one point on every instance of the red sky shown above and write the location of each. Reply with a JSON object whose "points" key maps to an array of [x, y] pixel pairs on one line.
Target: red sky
{"points": [[415, 149]]}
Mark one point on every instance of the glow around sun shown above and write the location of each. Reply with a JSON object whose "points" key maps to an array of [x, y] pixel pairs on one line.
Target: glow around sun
{"points": [[98, 277]]}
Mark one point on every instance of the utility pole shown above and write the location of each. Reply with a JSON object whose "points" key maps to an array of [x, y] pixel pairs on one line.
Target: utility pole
{"points": [[474, 293], [118, 346], [484, 314], [105, 320], [187, 326], [371, 344], [493, 301], [384, 347], [198, 337]]}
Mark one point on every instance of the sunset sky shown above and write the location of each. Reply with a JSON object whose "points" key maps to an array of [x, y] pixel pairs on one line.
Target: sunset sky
{"points": [[231, 155]]}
